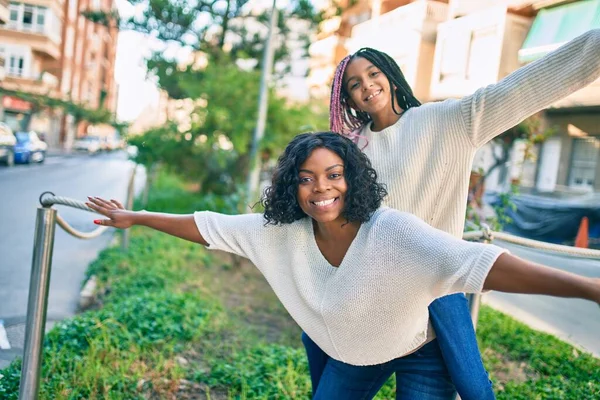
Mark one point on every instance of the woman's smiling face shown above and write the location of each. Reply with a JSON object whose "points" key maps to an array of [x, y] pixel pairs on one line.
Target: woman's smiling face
{"points": [[322, 186]]}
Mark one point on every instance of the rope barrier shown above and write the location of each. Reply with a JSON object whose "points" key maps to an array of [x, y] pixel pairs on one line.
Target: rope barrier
{"points": [[78, 234], [51, 200], [557, 248], [65, 201]]}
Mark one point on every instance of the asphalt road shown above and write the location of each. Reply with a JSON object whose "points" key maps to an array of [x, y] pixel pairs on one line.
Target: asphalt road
{"points": [[75, 176], [573, 320]]}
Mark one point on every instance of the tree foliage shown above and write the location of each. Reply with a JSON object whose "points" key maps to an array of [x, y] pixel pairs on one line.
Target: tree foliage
{"points": [[79, 112], [214, 150]]}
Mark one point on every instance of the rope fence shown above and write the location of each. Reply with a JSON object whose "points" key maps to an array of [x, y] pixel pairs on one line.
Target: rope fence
{"points": [[52, 200], [489, 235], [37, 305]]}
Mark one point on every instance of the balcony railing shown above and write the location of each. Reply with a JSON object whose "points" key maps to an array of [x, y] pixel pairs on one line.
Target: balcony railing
{"points": [[464, 7], [329, 27], [325, 48], [476, 50], [37, 29], [22, 73], [412, 16]]}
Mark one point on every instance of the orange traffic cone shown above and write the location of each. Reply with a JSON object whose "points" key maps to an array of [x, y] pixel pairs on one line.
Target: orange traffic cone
{"points": [[582, 239]]}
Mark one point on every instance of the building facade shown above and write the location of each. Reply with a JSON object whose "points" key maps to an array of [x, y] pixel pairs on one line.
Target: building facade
{"points": [[51, 49], [448, 49]]}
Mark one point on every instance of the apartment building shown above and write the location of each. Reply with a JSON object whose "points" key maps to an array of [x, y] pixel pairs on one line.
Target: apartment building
{"points": [[50, 48], [376, 23], [482, 43], [4, 13], [448, 49]]}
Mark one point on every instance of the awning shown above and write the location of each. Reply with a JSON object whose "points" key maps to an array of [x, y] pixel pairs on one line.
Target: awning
{"points": [[555, 26]]}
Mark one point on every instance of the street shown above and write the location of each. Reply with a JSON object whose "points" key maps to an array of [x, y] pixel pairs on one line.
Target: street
{"points": [[572, 320], [74, 176]]}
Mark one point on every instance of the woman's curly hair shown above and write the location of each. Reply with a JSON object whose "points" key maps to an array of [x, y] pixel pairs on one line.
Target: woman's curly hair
{"points": [[364, 195]]}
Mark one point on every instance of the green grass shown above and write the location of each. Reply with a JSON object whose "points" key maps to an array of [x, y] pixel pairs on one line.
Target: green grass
{"points": [[175, 321]]}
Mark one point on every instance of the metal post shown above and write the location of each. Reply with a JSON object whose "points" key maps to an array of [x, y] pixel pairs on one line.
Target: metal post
{"points": [[475, 298], [254, 175], [149, 179], [129, 206], [474, 304], [38, 303]]}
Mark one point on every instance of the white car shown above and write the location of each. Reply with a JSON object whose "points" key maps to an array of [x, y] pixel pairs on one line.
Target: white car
{"points": [[7, 145], [90, 144]]}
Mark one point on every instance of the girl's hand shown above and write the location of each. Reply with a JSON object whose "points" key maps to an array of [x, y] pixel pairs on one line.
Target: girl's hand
{"points": [[118, 216]]}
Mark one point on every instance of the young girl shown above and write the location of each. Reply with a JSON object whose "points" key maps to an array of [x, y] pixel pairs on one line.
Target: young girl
{"points": [[424, 154], [357, 277]]}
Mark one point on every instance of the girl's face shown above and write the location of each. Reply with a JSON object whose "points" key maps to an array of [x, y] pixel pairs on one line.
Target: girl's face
{"points": [[322, 186], [367, 86]]}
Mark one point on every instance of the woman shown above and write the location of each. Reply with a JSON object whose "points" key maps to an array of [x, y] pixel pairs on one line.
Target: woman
{"points": [[424, 154], [357, 277]]}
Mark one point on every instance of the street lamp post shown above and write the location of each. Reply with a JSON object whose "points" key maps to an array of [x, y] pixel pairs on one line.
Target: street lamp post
{"points": [[254, 175]]}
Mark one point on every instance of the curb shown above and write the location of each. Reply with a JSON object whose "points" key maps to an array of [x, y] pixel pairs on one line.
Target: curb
{"points": [[88, 293]]}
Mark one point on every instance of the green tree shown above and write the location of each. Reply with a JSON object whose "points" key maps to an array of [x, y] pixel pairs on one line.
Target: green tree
{"points": [[220, 29], [40, 102], [214, 150]]}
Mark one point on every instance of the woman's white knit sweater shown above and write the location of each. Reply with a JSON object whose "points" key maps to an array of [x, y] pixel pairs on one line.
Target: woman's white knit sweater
{"points": [[426, 157], [373, 307]]}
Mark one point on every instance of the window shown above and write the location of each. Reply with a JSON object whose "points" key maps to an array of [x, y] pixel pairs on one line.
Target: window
{"points": [[583, 162], [484, 45], [455, 53], [28, 15], [40, 18], [31, 18], [17, 60], [16, 65], [14, 13]]}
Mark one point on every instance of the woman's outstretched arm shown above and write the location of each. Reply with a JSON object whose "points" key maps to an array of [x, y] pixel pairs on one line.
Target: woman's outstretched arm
{"points": [[181, 226], [453, 265], [515, 275]]}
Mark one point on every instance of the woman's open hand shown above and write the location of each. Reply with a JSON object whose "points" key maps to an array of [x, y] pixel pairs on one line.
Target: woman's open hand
{"points": [[118, 216]]}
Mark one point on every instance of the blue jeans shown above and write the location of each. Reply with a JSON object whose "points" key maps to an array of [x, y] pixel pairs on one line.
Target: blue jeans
{"points": [[421, 375], [451, 320]]}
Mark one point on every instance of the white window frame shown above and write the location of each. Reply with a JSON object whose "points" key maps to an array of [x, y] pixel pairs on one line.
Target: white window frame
{"points": [[50, 25], [11, 53], [578, 179]]}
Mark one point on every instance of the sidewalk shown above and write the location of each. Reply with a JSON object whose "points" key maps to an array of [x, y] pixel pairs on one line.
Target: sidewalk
{"points": [[14, 328]]}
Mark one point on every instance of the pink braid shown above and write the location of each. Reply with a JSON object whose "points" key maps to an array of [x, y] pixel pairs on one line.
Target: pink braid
{"points": [[340, 119]]}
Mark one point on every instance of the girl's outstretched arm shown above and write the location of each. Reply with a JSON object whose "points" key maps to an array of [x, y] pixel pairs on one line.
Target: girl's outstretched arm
{"points": [[493, 109], [515, 275], [181, 226]]}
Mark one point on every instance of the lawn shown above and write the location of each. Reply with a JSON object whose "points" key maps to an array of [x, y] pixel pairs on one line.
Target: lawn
{"points": [[173, 321]]}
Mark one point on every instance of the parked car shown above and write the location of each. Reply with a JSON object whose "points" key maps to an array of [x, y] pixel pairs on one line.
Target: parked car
{"points": [[90, 144], [29, 148], [7, 145], [113, 143]]}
